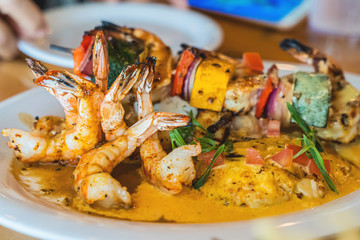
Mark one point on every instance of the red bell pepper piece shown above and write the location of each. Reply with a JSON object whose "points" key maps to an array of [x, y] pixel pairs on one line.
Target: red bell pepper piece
{"points": [[79, 53], [186, 59]]}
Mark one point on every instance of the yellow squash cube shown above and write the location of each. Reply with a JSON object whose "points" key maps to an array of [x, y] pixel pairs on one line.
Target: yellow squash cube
{"points": [[211, 80]]}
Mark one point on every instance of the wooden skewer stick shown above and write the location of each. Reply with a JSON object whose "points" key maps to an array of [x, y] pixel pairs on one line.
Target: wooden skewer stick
{"points": [[61, 48]]}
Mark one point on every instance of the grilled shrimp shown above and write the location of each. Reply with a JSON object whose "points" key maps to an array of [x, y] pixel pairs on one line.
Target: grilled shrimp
{"points": [[48, 126], [112, 111], [72, 141], [170, 171], [67, 100], [344, 117], [92, 175]]}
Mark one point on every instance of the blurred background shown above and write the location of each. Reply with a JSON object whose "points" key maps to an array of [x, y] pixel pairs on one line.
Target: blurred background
{"points": [[332, 26]]}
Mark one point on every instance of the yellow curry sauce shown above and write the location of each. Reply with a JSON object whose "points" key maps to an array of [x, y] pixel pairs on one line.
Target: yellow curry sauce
{"points": [[55, 183]]}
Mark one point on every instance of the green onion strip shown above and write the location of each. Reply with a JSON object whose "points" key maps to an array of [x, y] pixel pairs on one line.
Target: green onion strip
{"points": [[311, 144]]}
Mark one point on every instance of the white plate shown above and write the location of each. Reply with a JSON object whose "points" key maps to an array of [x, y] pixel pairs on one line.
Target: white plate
{"points": [[27, 214], [174, 26]]}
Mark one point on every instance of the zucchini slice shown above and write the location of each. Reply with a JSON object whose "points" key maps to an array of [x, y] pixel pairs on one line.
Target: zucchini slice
{"points": [[312, 93]]}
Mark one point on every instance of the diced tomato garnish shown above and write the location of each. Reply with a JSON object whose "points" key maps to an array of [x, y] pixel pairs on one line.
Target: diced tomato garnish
{"points": [[253, 157], [207, 157], [284, 157], [313, 169], [273, 129], [302, 159], [186, 59], [253, 61]]}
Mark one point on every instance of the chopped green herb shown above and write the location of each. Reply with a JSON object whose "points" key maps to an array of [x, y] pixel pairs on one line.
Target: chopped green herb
{"points": [[229, 145], [310, 133], [176, 139], [187, 132], [195, 122], [184, 135], [298, 119], [207, 144], [201, 181], [311, 145]]}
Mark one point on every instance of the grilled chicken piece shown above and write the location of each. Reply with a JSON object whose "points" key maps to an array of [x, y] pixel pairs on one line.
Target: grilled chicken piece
{"points": [[243, 93]]}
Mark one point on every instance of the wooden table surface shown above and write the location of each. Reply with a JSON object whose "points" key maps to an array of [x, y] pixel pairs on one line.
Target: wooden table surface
{"points": [[239, 36]]}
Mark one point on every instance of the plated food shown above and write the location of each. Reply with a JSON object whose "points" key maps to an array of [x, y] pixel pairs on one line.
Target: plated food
{"points": [[258, 144]]}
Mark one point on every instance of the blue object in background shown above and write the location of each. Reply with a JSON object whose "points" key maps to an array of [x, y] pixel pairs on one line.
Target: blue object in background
{"points": [[264, 10]]}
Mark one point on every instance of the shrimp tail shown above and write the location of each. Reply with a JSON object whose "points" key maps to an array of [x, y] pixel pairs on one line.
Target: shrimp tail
{"points": [[293, 45], [65, 82], [111, 109], [123, 83], [57, 80], [110, 26], [156, 121], [101, 61], [312, 56], [37, 68], [144, 87], [147, 75], [169, 121]]}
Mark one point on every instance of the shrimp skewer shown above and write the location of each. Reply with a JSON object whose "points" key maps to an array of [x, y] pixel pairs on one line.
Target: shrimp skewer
{"points": [[344, 117], [71, 142], [92, 175], [170, 171]]}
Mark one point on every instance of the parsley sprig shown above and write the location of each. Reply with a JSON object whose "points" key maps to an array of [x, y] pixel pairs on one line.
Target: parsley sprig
{"points": [[311, 145], [185, 135]]}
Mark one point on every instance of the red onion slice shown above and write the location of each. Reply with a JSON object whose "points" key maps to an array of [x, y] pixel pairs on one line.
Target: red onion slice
{"points": [[86, 64], [278, 110], [271, 104], [189, 78]]}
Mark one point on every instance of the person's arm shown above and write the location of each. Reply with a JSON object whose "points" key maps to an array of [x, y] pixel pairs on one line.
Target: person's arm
{"points": [[19, 19]]}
